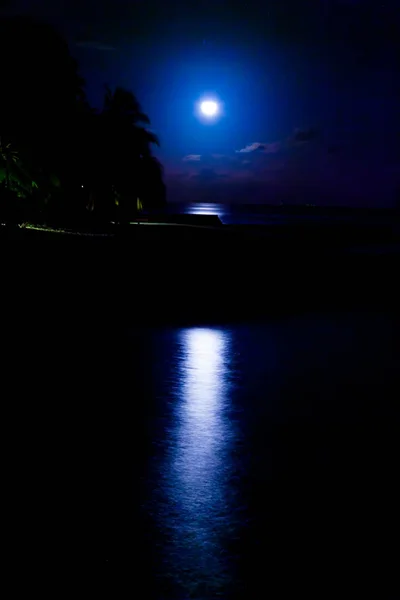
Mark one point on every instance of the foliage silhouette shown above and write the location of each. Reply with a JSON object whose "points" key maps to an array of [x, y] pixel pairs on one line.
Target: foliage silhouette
{"points": [[84, 163]]}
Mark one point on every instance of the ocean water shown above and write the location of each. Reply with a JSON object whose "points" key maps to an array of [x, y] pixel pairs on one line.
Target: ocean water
{"points": [[252, 461], [232, 461], [259, 214]]}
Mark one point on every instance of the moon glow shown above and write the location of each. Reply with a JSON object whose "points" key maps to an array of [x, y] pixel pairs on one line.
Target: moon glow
{"points": [[209, 108]]}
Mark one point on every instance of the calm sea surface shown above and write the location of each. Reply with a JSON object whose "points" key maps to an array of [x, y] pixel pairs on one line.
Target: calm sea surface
{"points": [[248, 460], [253, 214], [240, 461]]}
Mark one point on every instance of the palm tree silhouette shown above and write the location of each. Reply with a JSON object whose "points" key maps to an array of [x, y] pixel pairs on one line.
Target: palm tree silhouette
{"points": [[128, 168], [124, 113], [124, 105]]}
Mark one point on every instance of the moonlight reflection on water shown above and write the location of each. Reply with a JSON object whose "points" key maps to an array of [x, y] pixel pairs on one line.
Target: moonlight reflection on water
{"points": [[256, 434], [197, 491]]}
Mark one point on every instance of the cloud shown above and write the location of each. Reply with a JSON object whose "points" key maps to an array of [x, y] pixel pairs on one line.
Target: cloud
{"points": [[300, 136], [259, 147], [300, 168], [251, 147], [192, 158], [258, 161]]}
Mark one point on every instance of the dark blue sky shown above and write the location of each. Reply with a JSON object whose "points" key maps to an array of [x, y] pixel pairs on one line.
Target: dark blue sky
{"points": [[310, 90]]}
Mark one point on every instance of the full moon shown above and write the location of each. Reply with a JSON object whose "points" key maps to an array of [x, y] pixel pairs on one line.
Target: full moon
{"points": [[209, 108]]}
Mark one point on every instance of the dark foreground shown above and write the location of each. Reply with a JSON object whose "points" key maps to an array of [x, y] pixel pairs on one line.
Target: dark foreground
{"points": [[206, 416], [181, 274]]}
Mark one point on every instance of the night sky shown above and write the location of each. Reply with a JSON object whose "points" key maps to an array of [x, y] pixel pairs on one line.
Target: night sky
{"points": [[310, 91]]}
